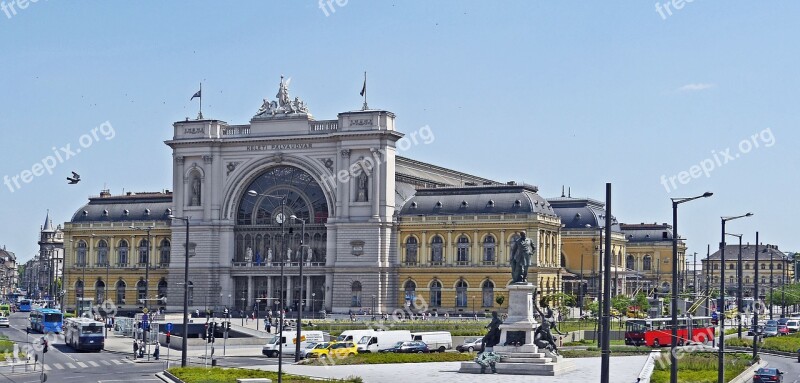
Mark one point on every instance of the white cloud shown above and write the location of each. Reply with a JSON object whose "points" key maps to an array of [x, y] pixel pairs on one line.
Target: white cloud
{"points": [[695, 87]]}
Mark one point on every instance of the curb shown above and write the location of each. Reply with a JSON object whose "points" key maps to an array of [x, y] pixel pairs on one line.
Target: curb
{"points": [[167, 377], [649, 366], [747, 374]]}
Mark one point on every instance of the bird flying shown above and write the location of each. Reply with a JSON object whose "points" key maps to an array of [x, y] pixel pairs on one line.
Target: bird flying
{"points": [[74, 179]]}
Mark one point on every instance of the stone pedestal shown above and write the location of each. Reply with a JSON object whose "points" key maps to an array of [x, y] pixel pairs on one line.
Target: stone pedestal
{"points": [[519, 356]]}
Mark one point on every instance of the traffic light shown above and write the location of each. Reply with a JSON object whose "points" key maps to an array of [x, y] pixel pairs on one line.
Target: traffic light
{"points": [[167, 337], [228, 326]]}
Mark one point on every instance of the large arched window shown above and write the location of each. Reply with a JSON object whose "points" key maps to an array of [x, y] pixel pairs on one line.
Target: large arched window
{"points": [[79, 289], [81, 254], [165, 253], [411, 251], [120, 292], [99, 292], [144, 249], [630, 262], [488, 293], [462, 251], [461, 293], [410, 289], [355, 293], [647, 263], [122, 253], [102, 253], [436, 294], [162, 288], [141, 291], [437, 250], [489, 250], [304, 198]]}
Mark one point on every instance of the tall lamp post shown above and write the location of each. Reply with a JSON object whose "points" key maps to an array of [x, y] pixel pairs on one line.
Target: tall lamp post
{"points": [[771, 295], [721, 304], [281, 219], [673, 376], [300, 298], [146, 331], [185, 292], [739, 287]]}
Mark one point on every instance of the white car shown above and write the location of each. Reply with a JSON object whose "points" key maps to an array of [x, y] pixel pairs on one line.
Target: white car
{"points": [[4, 322], [793, 325]]}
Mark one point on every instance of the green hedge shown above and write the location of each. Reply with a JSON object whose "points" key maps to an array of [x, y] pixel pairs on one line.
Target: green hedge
{"points": [[386, 358], [229, 375], [700, 367], [787, 343]]}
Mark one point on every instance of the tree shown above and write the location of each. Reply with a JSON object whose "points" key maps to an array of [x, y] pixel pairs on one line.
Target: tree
{"points": [[621, 303], [593, 308], [640, 300], [500, 299]]}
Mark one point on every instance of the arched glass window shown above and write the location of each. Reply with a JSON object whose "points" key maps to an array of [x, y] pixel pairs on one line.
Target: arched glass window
{"points": [[79, 289], [730, 280], [144, 248], [462, 250], [647, 263], [436, 250], [436, 294], [747, 266], [763, 266], [488, 293], [747, 279], [410, 289], [99, 292], [716, 266], [141, 291], [120, 292], [304, 198], [191, 293], [630, 262], [461, 293], [730, 266], [355, 293], [122, 253], [165, 253], [489, 250], [162, 288], [780, 266], [81, 255], [411, 251], [102, 253]]}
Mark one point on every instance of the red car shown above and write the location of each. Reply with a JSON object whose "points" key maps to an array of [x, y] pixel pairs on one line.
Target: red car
{"points": [[783, 329]]}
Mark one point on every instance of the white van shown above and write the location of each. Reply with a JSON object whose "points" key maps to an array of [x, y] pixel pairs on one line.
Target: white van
{"points": [[436, 340], [289, 341], [354, 335], [382, 340]]}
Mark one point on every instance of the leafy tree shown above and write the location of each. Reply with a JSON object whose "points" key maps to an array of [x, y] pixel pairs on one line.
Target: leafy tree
{"points": [[593, 307], [500, 299], [641, 301], [621, 303]]}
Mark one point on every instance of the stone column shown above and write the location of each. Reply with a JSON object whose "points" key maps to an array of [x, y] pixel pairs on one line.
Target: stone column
{"points": [[308, 292], [269, 292], [289, 293], [250, 297]]}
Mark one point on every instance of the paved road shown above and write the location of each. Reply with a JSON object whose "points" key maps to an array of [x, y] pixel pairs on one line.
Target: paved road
{"points": [[789, 366], [63, 364]]}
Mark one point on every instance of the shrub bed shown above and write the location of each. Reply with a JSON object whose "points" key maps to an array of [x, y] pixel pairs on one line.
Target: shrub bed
{"points": [[229, 375], [386, 358], [786, 343], [700, 367]]}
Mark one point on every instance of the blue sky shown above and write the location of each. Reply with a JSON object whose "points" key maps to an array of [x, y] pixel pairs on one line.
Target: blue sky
{"points": [[548, 93]]}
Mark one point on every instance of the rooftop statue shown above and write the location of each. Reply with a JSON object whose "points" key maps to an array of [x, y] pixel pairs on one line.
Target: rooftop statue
{"points": [[284, 104]]}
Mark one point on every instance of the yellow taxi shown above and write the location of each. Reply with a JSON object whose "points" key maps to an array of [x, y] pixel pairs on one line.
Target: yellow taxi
{"points": [[343, 349], [320, 350]]}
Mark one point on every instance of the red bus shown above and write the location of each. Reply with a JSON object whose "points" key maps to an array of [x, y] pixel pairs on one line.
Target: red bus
{"points": [[657, 332]]}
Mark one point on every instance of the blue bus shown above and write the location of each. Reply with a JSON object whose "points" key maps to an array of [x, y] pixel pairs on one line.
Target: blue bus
{"points": [[24, 305], [46, 320], [84, 334]]}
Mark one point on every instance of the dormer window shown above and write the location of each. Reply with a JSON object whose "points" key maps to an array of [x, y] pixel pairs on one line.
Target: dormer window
{"points": [[126, 212], [464, 204], [413, 205], [105, 213], [85, 213], [147, 212], [491, 203], [517, 203], [438, 204]]}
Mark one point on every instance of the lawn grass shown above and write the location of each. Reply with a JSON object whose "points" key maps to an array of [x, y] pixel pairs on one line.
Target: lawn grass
{"points": [[229, 375], [615, 351], [455, 327], [786, 343], [700, 367], [387, 358]]}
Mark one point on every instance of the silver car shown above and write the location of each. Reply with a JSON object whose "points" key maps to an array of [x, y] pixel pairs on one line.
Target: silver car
{"points": [[4, 322], [770, 330]]}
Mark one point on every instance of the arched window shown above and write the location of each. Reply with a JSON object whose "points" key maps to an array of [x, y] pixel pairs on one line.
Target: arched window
{"points": [[747, 279], [165, 253], [488, 293], [763, 266], [122, 253], [120, 292], [436, 250], [141, 291], [730, 280], [99, 292], [771, 265], [102, 253], [79, 289], [162, 288], [191, 293], [144, 248], [410, 289], [461, 293], [462, 251], [747, 266], [716, 266], [411, 251], [730, 266], [630, 262], [763, 280], [355, 292], [436, 294], [489, 250], [81, 256], [647, 263], [780, 266]]}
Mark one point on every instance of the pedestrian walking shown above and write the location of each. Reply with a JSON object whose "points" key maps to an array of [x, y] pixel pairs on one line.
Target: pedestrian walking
{"points": [[135, 348], [156, 352]]}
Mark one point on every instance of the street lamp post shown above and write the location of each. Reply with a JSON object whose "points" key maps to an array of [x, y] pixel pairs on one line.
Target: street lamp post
{"points": [[185, 292], [756, 305], [784, 274], [771, 295], [673, 377], [739, 288], [721, 304], [474, 313], [146, 331], [300, 298]]}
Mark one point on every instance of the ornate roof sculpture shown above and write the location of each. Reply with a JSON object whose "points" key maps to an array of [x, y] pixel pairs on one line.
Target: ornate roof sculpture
{"points": [[284, 105]]}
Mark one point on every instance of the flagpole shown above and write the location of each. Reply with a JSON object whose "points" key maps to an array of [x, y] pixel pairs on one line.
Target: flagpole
{"points": [[200, 115], [365, 91]]}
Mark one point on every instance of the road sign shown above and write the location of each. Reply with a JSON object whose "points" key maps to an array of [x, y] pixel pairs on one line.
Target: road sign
{"points": [[145, 310], [169, 327]]}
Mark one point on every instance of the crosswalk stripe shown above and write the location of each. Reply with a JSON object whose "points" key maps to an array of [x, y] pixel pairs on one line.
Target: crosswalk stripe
{"points": [[82, 364], [47, 367], [69, 365], [116, 362], [107, 363], [93, 363], [128, 361], [58, 366]]}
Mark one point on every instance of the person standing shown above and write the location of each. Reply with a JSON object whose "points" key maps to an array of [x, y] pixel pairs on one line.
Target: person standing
{"points": [[135, 348], [156, 352]]}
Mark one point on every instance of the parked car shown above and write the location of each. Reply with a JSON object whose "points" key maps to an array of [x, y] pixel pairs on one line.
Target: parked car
{"points": [[4, 322], [409, 348], [783, 329], [343, 349], [321, 349], [440, 341], [793, 325], [752, 330], [470, 345], [764, 375], [770, 330]]}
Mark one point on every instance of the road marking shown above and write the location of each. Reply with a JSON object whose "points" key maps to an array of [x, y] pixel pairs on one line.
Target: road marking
{"points": [[107, 363], [82, 364], [93, 363], [58, 366], [47, 367], [128, 361], [69, 365], [116, 362]]}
